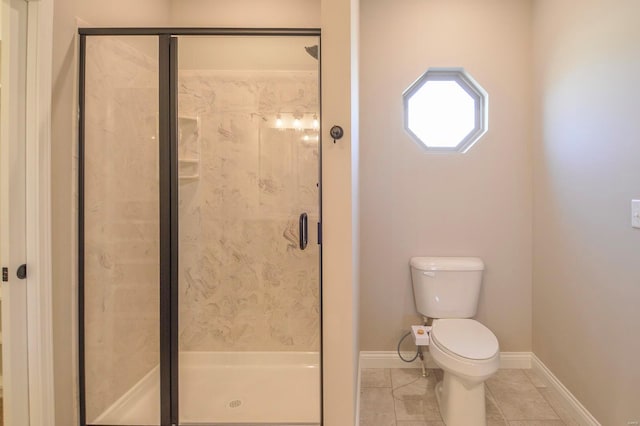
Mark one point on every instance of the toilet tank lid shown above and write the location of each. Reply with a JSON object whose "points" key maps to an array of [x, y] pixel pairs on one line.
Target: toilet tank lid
{"points": [[447, 263]]}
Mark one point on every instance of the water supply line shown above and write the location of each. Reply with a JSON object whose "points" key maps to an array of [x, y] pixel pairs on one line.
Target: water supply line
{"points": [[418, 351]]}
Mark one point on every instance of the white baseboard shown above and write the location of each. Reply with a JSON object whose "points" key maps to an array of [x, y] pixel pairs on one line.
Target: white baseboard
{"points": [[390, 359], [578, 410], [357, 419], [515, 360], [508, 360]]}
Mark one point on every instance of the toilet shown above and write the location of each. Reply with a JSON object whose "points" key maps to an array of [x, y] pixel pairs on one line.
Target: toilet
{"points": [[447, 289]]}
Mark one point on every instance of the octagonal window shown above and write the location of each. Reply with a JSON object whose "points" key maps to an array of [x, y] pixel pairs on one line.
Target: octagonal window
{"points": [[446, 110]]}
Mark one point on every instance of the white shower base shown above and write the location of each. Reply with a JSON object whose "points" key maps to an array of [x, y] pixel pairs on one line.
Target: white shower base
{"points": [[230, 388]]}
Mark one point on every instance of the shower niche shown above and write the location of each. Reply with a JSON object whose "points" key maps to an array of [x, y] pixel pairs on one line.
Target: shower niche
{"points": [[188, 148], [197, 305]]}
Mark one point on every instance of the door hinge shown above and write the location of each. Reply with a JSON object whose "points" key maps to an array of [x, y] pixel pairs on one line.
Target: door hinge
{"points": [[319, 233], [5, 274]]}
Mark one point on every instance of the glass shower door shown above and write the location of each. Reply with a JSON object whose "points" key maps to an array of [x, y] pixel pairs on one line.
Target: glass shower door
{"points": [[249, 258], [119, 232]]}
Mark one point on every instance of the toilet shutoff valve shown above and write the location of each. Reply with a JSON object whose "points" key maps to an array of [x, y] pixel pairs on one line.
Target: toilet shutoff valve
{"points": [[421, 334]]}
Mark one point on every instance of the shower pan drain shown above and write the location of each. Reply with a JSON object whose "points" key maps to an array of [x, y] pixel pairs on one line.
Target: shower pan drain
{"points": [[235, 403]]}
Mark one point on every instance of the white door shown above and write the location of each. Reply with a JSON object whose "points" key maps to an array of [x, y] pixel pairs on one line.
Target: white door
{"points": [[15, 387]]}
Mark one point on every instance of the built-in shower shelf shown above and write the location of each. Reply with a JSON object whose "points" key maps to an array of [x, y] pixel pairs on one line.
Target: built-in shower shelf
{"points": [[188, 169], [190, 177], [188, 148]]}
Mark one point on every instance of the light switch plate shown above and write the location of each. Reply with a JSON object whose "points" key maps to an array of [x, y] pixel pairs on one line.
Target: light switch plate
{"points": [[635, 213]]}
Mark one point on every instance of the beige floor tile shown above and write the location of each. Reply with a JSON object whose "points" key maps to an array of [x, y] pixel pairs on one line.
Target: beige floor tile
{"points": [[408, 383], [375, 378], [517, 395], [535, 378], [377, 419], [491, 407], [403, 376], [517, 398], [376, 407], [559, 405], [414, 395], [417, 409], [438, 373]]}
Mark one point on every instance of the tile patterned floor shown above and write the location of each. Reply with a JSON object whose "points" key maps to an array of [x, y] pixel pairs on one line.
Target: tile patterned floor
{"points": [[402, 397]]}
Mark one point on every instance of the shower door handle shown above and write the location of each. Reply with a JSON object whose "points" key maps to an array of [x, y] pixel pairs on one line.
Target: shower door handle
{"points": [[303, 233]]}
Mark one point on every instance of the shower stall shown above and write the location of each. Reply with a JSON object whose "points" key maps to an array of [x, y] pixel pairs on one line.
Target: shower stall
{"points": [[199, 227]]}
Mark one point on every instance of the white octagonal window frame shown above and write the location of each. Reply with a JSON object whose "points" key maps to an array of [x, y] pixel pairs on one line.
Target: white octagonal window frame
{"points": [[446, 110]]}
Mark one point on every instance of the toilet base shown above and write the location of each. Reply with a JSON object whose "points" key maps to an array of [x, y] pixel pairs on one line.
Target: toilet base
{"points": [[461, 403]]}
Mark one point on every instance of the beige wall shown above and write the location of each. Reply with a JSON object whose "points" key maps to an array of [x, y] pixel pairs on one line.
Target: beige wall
{"points": [[272, 13], [416, 203], [340, 218], [586, 264]]}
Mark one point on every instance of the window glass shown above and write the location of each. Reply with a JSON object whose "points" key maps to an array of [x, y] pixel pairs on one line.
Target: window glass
{"points": [[445, 110]]}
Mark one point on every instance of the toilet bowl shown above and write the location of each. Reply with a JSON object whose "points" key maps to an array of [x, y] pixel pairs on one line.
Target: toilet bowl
{"points": [[468, 353]]}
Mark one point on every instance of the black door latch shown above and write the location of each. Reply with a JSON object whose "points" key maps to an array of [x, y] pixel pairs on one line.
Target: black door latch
{"points": [[5, 274], [22, 271]]}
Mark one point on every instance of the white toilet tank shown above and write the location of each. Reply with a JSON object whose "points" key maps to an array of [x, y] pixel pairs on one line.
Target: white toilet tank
{"points": [[446, 287]]}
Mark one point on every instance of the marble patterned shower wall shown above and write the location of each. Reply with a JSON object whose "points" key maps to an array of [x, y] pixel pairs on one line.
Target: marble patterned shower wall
{"points": [[244, 283], [121, 220]]}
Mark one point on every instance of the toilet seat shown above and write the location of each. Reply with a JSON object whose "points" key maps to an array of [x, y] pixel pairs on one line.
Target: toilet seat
{"points": [[464, 338]]}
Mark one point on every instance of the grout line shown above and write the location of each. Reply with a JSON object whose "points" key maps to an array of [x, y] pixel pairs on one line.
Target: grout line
{"points": [[395, 413], [544, 398], [552, 407], [531, 380], [393, 394], [508, 421], [495, 400], [377, 387]]}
